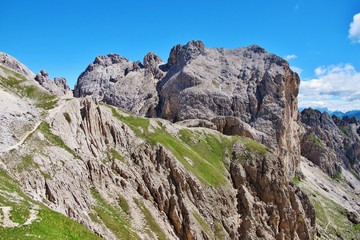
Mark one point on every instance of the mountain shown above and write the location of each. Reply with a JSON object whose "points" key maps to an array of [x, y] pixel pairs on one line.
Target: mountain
{"points": [[353, 113], [245, 91], [339, 114], [335, 140], [205, 146]]}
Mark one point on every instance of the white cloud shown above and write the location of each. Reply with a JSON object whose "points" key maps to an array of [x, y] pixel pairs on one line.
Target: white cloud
{"points": [[354, 31], [335, 87], [289, 57]]}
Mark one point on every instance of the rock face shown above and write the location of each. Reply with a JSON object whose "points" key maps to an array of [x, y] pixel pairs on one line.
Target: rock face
{"points": [[58, 86], [245, 91], [14, 64], [255, 201], [330, 142], [120, 82]]}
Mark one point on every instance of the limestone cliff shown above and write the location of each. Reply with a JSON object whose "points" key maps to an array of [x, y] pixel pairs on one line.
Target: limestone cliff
{"points": [[246, 91]]}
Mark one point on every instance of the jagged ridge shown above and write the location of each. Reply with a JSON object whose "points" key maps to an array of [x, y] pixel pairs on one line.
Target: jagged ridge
{"points": [[245, 91]]}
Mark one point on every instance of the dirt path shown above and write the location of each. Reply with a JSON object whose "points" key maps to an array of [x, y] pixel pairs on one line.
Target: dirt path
{"points": [[50, 114], [22, 139]]}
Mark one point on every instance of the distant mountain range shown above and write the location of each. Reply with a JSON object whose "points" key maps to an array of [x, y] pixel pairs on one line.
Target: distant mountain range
{"points": [[352, 113]]}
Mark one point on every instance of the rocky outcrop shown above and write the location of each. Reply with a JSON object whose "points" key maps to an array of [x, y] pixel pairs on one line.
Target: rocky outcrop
{"points": [[12, 63], [245, 91], [330, 142], [269, 206], [57, 86], [120, 82]]}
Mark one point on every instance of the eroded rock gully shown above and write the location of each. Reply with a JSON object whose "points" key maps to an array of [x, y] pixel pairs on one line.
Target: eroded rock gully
{"points": [[256, 203]]}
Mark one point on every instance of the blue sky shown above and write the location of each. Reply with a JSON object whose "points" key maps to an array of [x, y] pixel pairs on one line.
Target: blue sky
{"points": [[315, 36]]}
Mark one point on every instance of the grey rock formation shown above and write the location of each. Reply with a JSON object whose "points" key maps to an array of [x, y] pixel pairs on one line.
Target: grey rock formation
{"points": [[120, 82], [58, 86], [14, 64], [330, 142], [245, 91]]}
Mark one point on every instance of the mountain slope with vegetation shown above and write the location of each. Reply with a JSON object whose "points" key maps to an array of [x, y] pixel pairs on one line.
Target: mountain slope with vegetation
{"points": [[156, 168]]}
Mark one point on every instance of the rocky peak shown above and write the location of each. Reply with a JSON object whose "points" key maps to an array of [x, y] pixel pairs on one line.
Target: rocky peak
{"points": [[42, 76], [245, 91], [109, 59], [180, 55], [256, 49], [117, 81], [14, 64], [313, 117], [350, 120], [152, 63], [57, 86], [151, 60]]}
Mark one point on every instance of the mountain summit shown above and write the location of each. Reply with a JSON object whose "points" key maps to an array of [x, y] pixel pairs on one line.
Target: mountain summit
{"points": [[246, 91]]}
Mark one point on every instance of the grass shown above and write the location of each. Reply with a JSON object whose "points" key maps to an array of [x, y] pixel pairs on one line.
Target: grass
{"points": [[49, 225], [10, 195], [15, 82], [296, 180], [124, 205], [202, 223], [337, 176], [138, 124], [27, 163], [203, 159], [114, 219], [52, 226], [357, 227], [54, 139], [254, 146], [346, 131], [150, 221], [116, 155], [11, 72], [219, 230], [206, 156], [314, 139], [331, 217], [200, 153]]}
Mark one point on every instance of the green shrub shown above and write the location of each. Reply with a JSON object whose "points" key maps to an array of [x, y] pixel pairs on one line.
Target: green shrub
{"points": [[67, 117]]}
